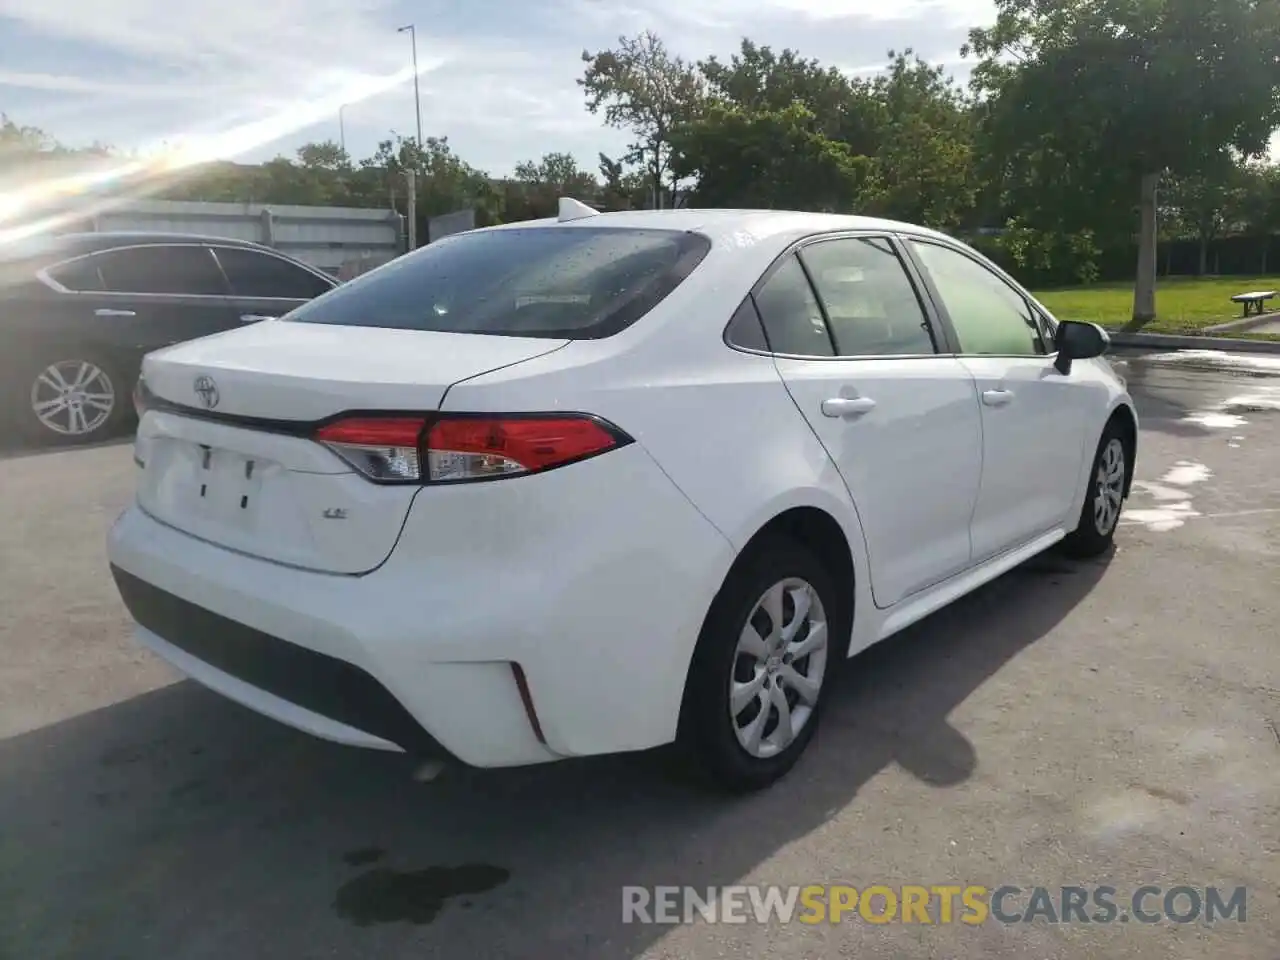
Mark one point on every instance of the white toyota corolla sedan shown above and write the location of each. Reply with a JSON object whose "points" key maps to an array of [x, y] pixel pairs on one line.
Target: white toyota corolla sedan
{"points": [[609, 481]]}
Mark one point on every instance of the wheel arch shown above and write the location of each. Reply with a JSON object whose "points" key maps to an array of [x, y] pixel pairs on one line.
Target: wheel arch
{"points": [[815, 528], [1125, 419]]}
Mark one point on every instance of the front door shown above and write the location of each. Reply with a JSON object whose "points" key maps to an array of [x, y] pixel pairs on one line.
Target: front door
{"points": [[855, 348], [1033, 426]]}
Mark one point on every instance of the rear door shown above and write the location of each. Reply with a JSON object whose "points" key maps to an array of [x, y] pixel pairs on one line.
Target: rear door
{"points": [[1033, 420], [265, 286], [855, 345], [154, 295]]}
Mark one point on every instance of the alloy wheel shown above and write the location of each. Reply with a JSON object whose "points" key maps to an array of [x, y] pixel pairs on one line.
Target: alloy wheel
{"points": [[779, 663], [1109, 484], [73, 398]]}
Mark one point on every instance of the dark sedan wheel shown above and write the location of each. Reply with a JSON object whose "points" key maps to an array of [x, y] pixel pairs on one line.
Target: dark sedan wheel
{"points": [[71, 399]]}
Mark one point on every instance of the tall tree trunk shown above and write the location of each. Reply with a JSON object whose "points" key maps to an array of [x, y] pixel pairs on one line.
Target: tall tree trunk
{"points": [[1168, 259], [1144, 289], [1266, 249], [1204, 256]]}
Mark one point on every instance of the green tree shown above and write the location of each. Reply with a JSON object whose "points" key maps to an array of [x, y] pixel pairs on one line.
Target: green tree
{"points": [[538, 186], [758, 79], [324, 155], [925, 154], [1260, 207], [642, 88], [1105, 96], [1206, 205], [769, 158]]}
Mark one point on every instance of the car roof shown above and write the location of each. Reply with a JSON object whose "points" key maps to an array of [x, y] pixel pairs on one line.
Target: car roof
{"points": [[51, 248], [108, 239], [723, 225]]}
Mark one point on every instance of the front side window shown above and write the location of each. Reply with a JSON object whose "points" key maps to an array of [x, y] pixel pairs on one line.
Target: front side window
{"points": [[871, 305], [559, 282], [792, 318], [178, 269], [990, 317], [261, 275]]}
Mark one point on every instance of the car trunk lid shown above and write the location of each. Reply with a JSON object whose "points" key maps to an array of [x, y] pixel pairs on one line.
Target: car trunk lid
{"points": [[226, 453]]}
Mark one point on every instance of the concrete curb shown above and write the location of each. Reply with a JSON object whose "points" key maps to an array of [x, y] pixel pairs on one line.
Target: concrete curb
{"points": [[1244, 323], [1165, 341]]}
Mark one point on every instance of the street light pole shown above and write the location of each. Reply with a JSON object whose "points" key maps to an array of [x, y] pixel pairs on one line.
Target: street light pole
{"points": [[342, 129], [417, 102]]}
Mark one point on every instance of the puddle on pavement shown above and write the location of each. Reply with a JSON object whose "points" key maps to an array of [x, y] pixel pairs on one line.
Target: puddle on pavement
{"points": [[1171, 503], [383, 895], [1227, 414]]}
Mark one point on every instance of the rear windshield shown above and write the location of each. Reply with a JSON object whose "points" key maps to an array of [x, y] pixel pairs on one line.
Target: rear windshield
{"points": [[558, 282]]}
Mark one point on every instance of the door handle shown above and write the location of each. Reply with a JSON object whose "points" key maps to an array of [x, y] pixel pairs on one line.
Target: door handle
{"points": [[847, 406], [254, 317], [997, 398], [109, 312]]}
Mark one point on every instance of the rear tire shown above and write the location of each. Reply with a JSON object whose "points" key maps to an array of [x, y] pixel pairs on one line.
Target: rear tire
{"points": [[70, 396], [1104, 496], [768, 647]]}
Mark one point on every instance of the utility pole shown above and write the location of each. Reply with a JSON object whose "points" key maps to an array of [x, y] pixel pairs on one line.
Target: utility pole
{"points": [[342, 130], [411, 188], [417, 102]]}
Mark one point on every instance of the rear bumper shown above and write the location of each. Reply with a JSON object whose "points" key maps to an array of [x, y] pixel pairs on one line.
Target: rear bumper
{"points": [[326, 696], [594, 580]]}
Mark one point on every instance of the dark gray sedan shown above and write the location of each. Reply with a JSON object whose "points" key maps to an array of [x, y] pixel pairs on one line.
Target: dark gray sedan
{"points": [[78, 312]]}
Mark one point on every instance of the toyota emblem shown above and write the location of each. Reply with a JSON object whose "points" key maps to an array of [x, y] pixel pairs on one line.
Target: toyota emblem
{"points": [[207, 391]]}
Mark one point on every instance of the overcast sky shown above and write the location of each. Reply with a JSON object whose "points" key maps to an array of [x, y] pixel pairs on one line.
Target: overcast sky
{"points": [[498, 76]]}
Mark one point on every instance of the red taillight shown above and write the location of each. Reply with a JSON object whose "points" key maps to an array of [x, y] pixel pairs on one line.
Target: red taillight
{"points": [[382, 448], [451, 447]]}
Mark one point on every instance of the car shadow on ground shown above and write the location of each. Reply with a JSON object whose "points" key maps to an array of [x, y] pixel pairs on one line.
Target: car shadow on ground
{"points": [[176, 825]]}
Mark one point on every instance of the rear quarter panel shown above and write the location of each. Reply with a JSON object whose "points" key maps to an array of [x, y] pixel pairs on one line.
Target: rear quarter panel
{"points": [[719, 423]]}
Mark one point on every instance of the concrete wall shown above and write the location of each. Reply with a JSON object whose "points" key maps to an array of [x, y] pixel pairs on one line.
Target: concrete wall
{"points": [[330, 238]]}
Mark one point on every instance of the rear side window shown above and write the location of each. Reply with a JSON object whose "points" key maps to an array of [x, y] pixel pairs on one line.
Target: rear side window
{"points": [[557, 282], [175, 269], [872, 308], [790, 313], [79, 276], [254, 274]]}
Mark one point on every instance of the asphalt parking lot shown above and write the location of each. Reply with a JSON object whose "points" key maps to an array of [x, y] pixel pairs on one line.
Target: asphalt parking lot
{"points": [[1114, 722]]}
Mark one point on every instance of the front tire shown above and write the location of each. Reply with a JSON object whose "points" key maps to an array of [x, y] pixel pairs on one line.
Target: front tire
{"points": [[760, 669], [1104, 497], [69, 396]]}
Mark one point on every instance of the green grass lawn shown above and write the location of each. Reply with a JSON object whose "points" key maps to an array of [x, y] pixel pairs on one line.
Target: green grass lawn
{"points": [[1183, 304]]}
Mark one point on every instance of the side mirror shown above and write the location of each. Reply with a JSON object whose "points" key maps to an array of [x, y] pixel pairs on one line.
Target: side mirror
{"points": [[1078, 341]]}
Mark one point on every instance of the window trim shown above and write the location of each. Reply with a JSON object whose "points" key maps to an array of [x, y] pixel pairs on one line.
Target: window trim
{"points": [[45, 278], [43, 274], [939, 332], [1037, 314], [307, 268]]}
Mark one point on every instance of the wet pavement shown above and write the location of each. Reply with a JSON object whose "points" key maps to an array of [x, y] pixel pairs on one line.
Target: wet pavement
{"points": [[1109, 723]]}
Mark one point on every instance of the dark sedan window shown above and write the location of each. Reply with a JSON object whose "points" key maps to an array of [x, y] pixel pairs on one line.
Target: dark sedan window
{"points": [[562, 282], [254, 274], [176, 269], [80, 276]]}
